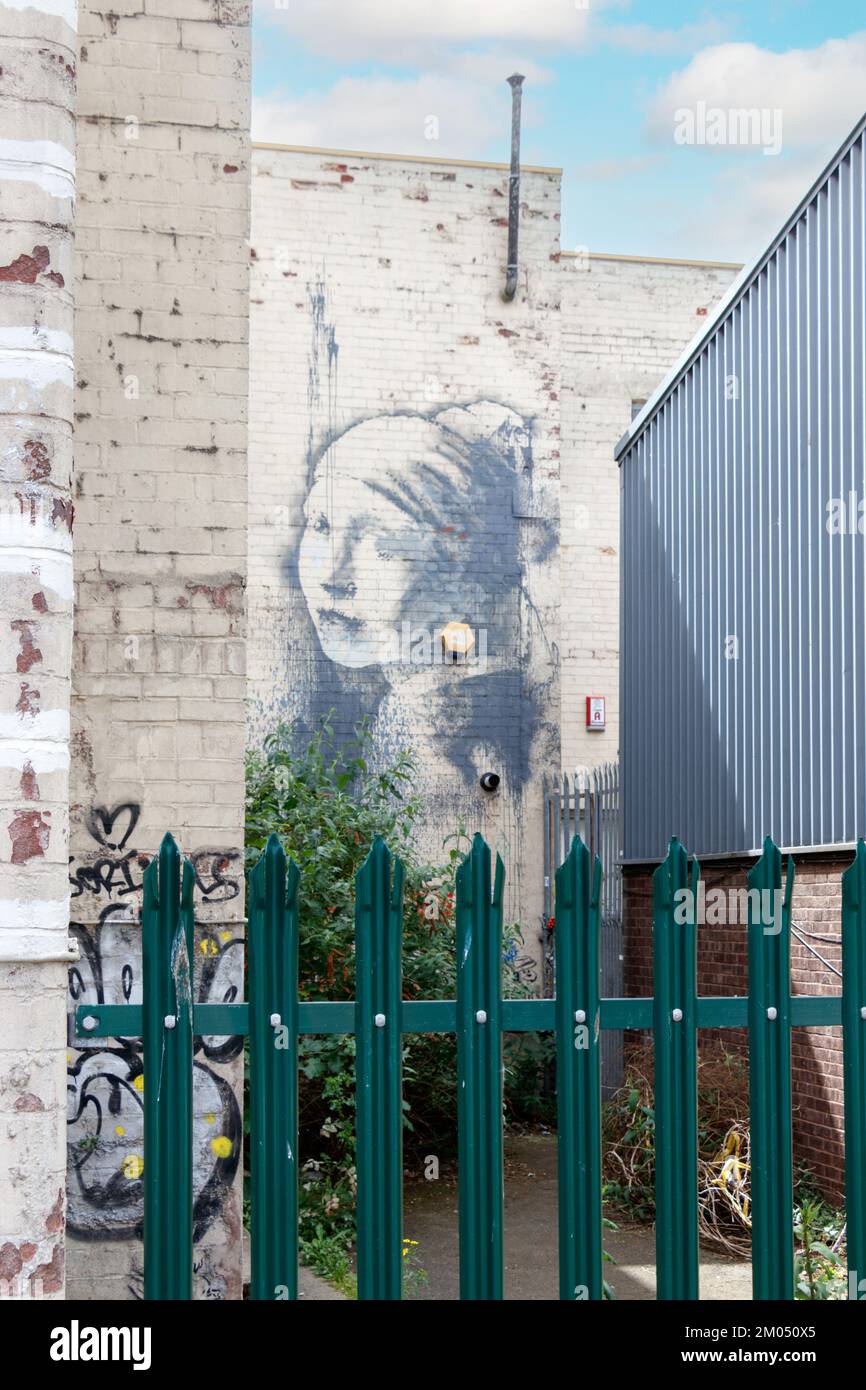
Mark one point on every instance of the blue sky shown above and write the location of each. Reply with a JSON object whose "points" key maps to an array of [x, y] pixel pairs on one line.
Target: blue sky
{"points": [[611, 86]]}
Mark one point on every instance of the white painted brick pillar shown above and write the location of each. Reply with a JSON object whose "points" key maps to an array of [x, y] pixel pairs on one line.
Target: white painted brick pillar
{"points": [[37, 184]]}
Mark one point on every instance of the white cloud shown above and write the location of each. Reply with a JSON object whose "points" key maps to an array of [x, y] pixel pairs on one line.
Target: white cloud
{"points": [[643, 38], [763, 196], [819, 91], [407, 30], [391, 115]]}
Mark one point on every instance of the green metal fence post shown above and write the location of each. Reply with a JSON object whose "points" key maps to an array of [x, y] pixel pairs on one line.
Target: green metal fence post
{"points": [[770, 1077], [378, 1074], [167, 953], [676, 1074], [479, 1073], [273, 1027], [578, 1074], [854, 1041]]}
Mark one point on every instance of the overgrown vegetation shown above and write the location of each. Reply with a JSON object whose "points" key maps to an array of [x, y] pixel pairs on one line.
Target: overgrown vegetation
{"points": [[326, 804], [724, 1174]]}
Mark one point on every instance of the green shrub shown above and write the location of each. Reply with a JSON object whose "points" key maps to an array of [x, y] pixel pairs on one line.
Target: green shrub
{"points": [[326, 805]]}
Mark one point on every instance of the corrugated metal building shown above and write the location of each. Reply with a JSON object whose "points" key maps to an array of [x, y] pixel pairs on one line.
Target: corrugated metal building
{"points": [[743, 651]]}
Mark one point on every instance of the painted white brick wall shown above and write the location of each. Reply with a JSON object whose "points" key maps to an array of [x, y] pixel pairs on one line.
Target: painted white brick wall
{"points": [[624, 323], [162, 311], [376, 288], [377, 291]]}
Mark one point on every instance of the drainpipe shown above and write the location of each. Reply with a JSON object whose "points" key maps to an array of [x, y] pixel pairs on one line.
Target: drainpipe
{"points": [[515, 82], [37, 186]]}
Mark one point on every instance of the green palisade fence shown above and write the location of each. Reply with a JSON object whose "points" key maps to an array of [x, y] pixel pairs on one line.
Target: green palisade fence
{"points": [[166, 1032], [479, 1073], [273, 1027], [274, 1018], [854, 1043], [378, 1074], [770, 1143], [675, 989], [577, 934]]}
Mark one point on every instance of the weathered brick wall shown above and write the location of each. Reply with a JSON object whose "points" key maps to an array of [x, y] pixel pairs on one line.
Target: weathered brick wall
{"points": [[816, 1055], [624, 324], [404, 458], [37, 189], [160, 546]]}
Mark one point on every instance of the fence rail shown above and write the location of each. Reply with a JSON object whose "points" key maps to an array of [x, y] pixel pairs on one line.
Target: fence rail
{"points": [[168, 1019]]}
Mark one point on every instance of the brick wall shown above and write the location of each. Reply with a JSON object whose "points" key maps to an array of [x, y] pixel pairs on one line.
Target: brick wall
{"points": [[624, 324], [37, 191], [160, 545], [816, 1060], [404, 458]]}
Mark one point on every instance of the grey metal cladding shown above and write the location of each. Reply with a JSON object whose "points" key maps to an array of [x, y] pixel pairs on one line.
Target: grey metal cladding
{"points": [[743, 619]]}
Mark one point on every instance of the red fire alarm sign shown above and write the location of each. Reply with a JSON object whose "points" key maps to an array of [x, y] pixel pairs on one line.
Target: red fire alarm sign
{"points": [[595, 711]]}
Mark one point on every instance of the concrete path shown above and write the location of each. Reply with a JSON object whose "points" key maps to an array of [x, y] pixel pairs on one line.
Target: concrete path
{"points": [[430, 1217]]}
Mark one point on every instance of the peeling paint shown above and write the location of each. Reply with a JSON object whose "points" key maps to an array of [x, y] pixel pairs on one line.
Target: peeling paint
{"points": [[25, 269], [46, 163], [29, 654], [30, 832], [29, 784]]}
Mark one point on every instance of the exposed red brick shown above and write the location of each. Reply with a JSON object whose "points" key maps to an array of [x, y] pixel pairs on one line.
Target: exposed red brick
{"points": [[24, 269], [39, 602], [29, 784], [230, 168], [51, 1273], [29, 832], [28, 1103], [11, 1262], [27, 700], [37, 459], [54, 1221], [29, 653], [28, 1250], [63, 511], [27, 503]]}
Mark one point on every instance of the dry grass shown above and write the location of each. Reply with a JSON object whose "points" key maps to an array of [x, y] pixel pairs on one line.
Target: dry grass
{"points": [[724, 1197]]}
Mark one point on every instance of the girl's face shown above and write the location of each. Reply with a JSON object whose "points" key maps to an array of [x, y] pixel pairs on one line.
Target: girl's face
{"points": [[395, 545], [359, 559]]}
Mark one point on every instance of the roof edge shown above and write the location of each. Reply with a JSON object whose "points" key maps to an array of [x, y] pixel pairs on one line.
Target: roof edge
{"points": [[733, 296], [651, 260], [403, 158]]}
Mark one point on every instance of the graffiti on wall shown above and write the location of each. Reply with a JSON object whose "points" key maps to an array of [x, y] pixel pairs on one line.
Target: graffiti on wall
{"points": [[105, 1077]]}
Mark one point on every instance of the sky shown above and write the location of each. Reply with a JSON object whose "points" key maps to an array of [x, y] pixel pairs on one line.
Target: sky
{"points": [[638, 101]]}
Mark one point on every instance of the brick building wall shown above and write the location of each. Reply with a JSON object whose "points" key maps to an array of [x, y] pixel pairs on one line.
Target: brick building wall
{"points": [[37, 191], [404, 459], [816, 1053], [625, 321], [160, 544]]}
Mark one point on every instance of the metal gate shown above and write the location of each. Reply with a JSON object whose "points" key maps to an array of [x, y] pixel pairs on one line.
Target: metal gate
{"points": [[169, 1018], [587, 803]]}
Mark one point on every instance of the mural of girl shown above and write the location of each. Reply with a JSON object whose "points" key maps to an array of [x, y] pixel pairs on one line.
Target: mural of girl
{"points": [[412, 522]]}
